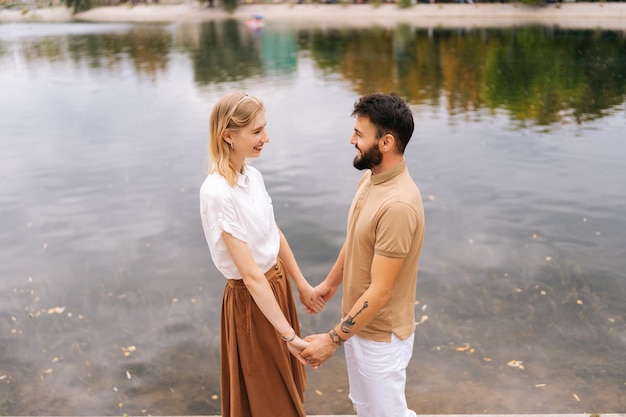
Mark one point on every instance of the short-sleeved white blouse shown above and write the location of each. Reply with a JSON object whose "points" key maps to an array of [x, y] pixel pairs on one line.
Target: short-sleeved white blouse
{"points": [[246, 212]]}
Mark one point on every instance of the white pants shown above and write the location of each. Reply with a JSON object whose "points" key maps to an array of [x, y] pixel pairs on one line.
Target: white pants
{"points": [[377, 376]]}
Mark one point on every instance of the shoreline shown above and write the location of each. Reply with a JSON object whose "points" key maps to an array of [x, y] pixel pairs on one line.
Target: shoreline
{"points": [[606, 16]]}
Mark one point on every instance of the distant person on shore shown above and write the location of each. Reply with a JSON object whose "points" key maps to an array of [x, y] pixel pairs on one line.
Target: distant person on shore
{"points": [[377, 264], [261, 371]]}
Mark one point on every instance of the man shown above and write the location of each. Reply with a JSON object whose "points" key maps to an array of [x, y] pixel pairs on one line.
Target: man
{"points": [[377, 264]]}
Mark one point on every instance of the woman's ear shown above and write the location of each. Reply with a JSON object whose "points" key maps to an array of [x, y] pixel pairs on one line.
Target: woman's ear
{"points": [[227, 137]]}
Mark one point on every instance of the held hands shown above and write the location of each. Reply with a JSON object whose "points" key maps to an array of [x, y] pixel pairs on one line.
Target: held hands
{"points": [[324, 292], [320, 348], [309, 297], [296, 346], [313, 350]]}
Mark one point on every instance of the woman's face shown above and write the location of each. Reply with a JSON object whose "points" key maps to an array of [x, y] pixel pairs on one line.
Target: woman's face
{"points": [[249, 140]]}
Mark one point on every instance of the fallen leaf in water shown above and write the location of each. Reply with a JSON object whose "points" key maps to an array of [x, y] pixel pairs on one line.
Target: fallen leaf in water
{"points": [[516, 364], [128, 375], [318, 392], [540, 385], [576, 397], [2, 377], [214, 397], [487, 359], [463, 348], [128, 350], [57, 310]]}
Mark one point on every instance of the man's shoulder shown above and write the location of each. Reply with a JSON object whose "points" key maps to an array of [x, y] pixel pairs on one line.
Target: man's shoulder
{"points": [[405, 188]]}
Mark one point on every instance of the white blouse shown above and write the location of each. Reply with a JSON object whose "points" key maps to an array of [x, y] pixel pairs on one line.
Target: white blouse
{"points": [[246, 212]]}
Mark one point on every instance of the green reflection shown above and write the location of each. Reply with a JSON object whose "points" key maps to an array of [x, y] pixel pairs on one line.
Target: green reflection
{"points": [[147, 48], [544, 75], [225, 52], [537, 75], [279, 51]]}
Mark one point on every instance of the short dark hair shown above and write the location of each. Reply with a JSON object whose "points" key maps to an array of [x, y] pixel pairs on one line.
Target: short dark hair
{"points": [[390, 114]]}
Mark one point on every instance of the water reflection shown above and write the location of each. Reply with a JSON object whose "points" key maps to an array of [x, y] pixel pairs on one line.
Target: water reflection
{"points": [[109, 303], [225, 52], [539, 75]]}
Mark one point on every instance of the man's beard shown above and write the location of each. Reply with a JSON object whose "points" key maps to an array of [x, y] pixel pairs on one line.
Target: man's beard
{"points": [[369, 159]]}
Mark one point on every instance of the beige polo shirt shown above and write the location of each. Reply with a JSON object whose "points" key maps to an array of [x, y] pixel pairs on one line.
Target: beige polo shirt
{"points": [[386, 218]]}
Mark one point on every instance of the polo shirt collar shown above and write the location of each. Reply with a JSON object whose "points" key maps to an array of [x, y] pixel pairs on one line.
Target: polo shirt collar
{"points": [[389, 174]]}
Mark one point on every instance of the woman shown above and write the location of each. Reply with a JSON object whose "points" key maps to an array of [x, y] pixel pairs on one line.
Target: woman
{"points": [[259, 324]]}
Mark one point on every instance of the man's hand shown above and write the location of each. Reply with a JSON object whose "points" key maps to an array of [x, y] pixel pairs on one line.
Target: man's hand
{"points": [[325, 290], [319, 350]]}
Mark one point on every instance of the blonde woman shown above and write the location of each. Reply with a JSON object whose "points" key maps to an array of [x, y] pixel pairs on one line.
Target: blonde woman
{"points": [[262, 372]]}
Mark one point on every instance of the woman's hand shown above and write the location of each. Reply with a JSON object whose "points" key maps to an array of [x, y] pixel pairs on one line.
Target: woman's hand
{"points": [[296, 346]]}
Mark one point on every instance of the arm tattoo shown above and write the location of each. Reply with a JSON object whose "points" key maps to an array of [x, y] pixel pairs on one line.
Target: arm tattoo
{"points": [[348, 323], [338, 340]]}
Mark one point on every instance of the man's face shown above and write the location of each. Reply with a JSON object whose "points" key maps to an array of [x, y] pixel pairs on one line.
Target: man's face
{"points": [[364, 140]]}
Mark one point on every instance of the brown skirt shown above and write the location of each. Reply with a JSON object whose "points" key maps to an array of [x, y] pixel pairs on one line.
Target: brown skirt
{"points": [[260, 378]]}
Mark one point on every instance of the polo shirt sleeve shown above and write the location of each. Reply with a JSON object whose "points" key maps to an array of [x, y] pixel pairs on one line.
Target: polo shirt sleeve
{"points": [[395, 230], [223, 216]]}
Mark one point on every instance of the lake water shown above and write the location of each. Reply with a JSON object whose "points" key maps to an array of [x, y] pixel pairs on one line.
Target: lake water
{"points": [[109, 303]]}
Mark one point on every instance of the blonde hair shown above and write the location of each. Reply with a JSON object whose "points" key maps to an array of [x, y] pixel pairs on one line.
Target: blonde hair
{"points": [[233, 112]]}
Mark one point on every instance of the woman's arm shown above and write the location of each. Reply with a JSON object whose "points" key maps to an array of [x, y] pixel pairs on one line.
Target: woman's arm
{"points": [[313, 303], [263, 296]]}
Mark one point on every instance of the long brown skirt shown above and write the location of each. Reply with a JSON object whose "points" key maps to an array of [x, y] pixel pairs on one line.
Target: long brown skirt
{"points": [[260, 378]]}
